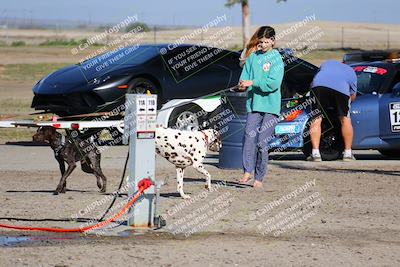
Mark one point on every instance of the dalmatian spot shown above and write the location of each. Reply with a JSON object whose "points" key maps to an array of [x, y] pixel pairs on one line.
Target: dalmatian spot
{"points": [[174, 155]]}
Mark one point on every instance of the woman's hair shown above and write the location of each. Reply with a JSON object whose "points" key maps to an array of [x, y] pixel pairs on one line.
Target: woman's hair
{"points": [[252, 44], [266, 32], [262, 32]]}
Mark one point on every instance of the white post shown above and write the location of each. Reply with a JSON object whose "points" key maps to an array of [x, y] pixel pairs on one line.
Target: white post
{"points": [[140, 126]]}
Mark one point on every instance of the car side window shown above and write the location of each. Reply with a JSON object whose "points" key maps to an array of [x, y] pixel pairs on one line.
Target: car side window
{"points": [[173, 60], [225, 57], [396, 82]]}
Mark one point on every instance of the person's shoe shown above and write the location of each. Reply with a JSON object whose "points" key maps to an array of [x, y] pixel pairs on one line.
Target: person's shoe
{"points": [[348, 158], [314, 158]]}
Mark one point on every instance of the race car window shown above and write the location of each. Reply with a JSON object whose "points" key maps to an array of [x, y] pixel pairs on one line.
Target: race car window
{"points": [[396, 81], [369, 79]]}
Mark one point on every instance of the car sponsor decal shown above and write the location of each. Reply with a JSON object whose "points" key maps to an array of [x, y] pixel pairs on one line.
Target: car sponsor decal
{"points": [[370, 69], [394, 110], [287, 129]]}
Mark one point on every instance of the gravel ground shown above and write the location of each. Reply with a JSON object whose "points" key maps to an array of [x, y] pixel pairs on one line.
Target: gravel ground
{"points": [[329, 213]]}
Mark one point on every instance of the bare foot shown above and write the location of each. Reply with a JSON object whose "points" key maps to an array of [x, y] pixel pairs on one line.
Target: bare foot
{"points": [[246, 178], [257, 184]]}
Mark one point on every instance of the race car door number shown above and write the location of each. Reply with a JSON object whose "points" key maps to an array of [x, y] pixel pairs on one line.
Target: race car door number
{"points": [[394, 109]]}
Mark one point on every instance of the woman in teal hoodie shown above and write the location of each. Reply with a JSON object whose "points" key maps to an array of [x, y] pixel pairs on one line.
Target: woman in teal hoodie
{"points": [[262, 78]]}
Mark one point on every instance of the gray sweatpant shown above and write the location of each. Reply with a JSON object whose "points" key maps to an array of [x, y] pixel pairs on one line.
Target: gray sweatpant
{"points": [[258, 133]]}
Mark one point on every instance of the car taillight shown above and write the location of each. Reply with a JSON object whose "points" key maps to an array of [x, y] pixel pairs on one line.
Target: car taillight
{"points": [[293, 115], [75, 126]]}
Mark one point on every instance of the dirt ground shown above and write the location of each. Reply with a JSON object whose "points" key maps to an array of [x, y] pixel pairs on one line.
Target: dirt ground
{"points": [[340, 214], [308, 214]]}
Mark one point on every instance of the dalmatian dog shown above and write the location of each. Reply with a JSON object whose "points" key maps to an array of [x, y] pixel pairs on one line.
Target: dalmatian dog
{"points": [[187, 148]]}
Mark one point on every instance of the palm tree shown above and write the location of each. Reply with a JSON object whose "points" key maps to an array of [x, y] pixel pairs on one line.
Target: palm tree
{"points": [[245, 17]]}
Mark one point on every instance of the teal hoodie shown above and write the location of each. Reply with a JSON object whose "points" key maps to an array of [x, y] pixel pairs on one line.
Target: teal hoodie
{"points": [[266, 71]]}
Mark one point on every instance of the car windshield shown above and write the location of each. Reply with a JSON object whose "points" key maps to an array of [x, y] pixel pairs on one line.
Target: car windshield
{"points": [[370, 79], [127, 55], [132, 55]]}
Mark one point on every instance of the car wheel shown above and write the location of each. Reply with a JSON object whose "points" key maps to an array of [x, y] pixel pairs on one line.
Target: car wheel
{"points": [[188, 118], [393, 153], [331, 145]]}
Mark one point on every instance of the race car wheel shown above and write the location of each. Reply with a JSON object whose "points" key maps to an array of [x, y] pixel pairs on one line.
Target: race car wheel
{"points": [[331, 144], [188, 117]]}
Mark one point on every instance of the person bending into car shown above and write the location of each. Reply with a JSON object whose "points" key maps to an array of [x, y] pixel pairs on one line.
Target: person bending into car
{"points": [[262, 78], [335, 85]]}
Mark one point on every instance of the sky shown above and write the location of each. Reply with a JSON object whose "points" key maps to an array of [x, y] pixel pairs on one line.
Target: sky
{"points": [[196, 13]]}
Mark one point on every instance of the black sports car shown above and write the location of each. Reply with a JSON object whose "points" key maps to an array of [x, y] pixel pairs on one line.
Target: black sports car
{"points": [[100, 83], [171, 71]]}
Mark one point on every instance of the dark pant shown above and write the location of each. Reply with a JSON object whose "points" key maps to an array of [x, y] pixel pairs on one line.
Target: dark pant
{"points": [[327, 97], [258, 133]]}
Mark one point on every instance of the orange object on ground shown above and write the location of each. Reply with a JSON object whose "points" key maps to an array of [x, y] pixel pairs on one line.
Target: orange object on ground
{"points": [[143, 185]]}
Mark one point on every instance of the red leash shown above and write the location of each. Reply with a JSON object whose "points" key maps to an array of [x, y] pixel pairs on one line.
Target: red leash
{"points": [[143, 185]]}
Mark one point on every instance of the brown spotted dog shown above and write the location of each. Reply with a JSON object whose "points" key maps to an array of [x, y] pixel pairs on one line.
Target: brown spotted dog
{"points": [[187, 148], [70, 151]]}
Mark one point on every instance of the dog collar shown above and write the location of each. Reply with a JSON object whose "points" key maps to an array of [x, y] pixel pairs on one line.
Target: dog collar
{"points": [[206, 137]]}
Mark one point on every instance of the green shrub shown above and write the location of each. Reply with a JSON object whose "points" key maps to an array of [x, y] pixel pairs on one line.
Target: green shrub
{"points": [[139, 25], [60, 42], [18, 43]]}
